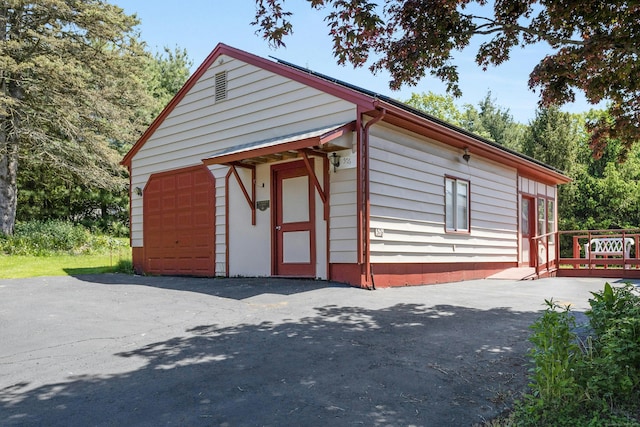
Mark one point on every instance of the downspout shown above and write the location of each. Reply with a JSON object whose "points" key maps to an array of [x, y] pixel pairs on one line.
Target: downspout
{"points": [[366, 235]]}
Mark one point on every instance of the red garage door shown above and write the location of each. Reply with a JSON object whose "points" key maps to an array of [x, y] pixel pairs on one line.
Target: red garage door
{"points": [[179, 223]]}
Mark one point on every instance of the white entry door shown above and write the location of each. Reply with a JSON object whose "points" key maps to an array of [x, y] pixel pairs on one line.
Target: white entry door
{"points": [[294, 221]]}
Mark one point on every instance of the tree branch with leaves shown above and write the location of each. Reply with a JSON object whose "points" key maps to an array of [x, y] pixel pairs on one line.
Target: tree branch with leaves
{"points": [[594, 44]]}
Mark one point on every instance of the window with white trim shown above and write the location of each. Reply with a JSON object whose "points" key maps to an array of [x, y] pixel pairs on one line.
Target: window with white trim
{"points": [[457, 205]]}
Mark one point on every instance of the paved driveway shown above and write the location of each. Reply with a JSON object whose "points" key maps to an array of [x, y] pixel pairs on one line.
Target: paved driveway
{"points": [[127, 350]]}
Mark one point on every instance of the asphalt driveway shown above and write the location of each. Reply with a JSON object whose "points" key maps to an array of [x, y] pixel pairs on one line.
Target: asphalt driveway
{"points": [[128, 350]]}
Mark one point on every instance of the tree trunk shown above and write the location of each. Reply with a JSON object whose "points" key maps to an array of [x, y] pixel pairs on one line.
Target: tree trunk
{"points": [[9, 141], [8, 174]]}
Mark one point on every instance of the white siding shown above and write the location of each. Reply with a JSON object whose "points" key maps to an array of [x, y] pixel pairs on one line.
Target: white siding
{"points": [[534, 188], [260, 105], [343, 232], [407, 202], [219, 173], [249, 245]]}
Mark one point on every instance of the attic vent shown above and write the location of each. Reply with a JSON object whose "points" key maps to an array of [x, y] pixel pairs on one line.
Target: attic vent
{"points": [[221, 86]]}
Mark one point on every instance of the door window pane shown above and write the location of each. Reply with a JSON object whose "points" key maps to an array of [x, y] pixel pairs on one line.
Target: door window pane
{"points": [[524, 214], [551, 220], [295, 199], [541, 217]]}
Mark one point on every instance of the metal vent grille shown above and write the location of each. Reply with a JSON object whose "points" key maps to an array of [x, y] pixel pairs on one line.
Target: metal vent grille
{"points": [[221, 86]]}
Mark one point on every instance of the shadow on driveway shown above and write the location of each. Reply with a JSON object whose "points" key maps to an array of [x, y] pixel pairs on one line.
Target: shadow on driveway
{"points": [[407, 364], [234, 288]]}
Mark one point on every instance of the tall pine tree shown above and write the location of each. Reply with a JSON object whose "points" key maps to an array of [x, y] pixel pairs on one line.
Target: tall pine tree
{"points": [[69, 89]]}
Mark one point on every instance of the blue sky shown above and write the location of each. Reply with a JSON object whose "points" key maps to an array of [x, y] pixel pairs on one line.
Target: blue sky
{"points": [[198, 25]]}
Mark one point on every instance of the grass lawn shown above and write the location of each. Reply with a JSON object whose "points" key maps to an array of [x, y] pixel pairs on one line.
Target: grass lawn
{"points": [[16, 266]]}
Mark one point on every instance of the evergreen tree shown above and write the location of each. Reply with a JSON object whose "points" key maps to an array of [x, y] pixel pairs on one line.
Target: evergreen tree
{"points": [[70, 88], [553, 137], [46, 193]]}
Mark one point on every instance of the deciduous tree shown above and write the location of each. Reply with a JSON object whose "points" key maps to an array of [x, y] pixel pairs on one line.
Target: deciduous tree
{"points": [[594, 46], [440, 106]]}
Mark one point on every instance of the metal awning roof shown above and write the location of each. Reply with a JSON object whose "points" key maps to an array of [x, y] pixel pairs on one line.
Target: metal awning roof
{"points": [[283, 147]]}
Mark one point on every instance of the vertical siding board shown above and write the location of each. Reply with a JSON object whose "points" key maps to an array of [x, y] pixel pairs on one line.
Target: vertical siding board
{"points": [[220, 173]]}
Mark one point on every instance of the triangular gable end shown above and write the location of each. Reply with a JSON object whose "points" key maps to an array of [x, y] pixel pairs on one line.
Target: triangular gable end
{"points": [[300, 76]]}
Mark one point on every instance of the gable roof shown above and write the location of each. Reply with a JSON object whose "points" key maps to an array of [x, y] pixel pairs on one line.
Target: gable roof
{"points": [[396, 113], [360, 99]]}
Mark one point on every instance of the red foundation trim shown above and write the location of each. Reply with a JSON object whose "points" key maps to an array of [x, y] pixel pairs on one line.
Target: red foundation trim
{"points": [[137, 256], [388, 275], [391, 275], [347, 273]]}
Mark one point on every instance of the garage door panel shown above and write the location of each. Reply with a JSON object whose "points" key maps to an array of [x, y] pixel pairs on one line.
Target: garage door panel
{"points": [[179, 223], [185, 200], [200, 200], [168, 203], [184, 181], [168, 183], [202, 241], [184, 220], [168, 221], [200, 218], [168, 240]]}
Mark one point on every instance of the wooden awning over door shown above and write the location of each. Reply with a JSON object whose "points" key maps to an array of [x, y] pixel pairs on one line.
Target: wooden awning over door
{"points": [[289, 146]]}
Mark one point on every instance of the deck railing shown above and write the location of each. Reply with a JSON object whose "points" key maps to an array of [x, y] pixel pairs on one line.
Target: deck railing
{"points": [[546, 250], [597, 253]]}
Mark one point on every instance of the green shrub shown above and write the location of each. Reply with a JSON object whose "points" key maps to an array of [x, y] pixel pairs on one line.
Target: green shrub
{"points": [[552, 383], [125, 266], [615, 318], [37, 238], [595, 382]]}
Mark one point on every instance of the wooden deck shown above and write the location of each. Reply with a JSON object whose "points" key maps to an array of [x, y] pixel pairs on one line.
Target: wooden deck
{"points": [[589, 253]]}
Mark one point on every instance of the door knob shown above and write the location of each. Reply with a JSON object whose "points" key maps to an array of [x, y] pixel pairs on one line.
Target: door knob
{"points": [[278, 227]]}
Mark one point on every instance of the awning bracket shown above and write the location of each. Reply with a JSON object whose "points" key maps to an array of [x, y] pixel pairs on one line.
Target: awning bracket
{"points": [[250, 199], [316, 183]]}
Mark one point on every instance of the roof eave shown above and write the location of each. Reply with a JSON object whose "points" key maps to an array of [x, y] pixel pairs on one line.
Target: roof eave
{"points": [[455, 138]]}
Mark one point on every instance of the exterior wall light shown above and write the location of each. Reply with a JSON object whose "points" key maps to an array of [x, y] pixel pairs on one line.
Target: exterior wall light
{"points": [[138, 191], [335, 161], [466, 156]]}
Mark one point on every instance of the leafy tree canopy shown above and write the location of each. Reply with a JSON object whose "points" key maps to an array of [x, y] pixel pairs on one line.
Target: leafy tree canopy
{"points": [[488, 120], [594, 44]]}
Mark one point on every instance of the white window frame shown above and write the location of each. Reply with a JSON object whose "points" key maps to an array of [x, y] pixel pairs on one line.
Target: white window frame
{"points": [[457, 218]]}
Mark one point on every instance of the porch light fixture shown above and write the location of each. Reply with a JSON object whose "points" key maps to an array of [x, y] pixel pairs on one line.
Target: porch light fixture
{"points": [[335, 161], [138, 191], [466, 156]]}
